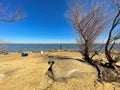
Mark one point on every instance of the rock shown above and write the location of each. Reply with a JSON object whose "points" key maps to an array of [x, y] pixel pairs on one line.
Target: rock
{"points": [[68, 68], [2, 76]]}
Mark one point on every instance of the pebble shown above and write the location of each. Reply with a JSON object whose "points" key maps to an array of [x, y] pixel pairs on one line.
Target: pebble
{"points": [[2, 76]]}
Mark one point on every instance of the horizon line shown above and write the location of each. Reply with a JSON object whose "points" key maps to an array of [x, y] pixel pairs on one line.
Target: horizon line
{"points": [[39, 43], [45, 43]]}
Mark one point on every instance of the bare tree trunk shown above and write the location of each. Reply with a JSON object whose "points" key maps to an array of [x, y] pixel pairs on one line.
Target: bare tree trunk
{"points": [[107, 45], [95, 65]]}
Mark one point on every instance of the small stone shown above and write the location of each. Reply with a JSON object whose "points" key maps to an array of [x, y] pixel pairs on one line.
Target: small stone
{"points": [[2, 76]]}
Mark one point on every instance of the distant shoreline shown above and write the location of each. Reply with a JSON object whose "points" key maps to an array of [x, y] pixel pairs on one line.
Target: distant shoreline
{"points": [[10, 47]]}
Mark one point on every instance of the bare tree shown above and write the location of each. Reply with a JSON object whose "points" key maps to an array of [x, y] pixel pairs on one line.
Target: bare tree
{"points": [[3, 47], [114, 36], [8, 16], [13, 16], [89, 24]]}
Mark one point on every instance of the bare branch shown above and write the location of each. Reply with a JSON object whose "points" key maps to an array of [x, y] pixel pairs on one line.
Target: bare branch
{"points": [[11, 17], [89, 24], [116, 4], [112, 39]]}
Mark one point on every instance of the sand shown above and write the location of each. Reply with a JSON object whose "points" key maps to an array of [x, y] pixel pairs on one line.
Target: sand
{"points": [[29, 73]]}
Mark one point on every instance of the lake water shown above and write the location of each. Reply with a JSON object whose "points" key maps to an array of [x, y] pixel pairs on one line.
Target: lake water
{"points": [[46, 47], [40, 47]]}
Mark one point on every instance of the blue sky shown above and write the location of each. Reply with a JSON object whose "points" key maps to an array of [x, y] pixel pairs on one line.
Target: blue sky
{"points": [[45, 23]]}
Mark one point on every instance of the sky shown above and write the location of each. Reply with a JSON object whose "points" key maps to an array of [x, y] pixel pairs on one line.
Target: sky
{"points": [[45, 23]]}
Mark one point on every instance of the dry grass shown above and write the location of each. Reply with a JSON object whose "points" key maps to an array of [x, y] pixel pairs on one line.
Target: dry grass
{"points": [[29, 73]]}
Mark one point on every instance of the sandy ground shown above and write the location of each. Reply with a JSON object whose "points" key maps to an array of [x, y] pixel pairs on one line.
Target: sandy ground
{"points": [[29, 73]]}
